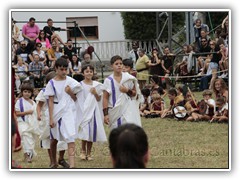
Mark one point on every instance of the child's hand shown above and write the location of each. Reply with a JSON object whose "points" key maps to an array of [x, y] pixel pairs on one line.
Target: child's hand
{"points": [[106, 119], [29, 111], [93, 91], [67, 89], [123, 89], [39, 117], [51, 123]]}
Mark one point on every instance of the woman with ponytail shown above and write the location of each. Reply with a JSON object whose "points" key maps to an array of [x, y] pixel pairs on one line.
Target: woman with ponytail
{"points": [[129, 147]]}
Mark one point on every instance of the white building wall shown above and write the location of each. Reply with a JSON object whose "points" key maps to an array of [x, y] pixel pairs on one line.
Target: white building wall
{"points": [[109, 23]]}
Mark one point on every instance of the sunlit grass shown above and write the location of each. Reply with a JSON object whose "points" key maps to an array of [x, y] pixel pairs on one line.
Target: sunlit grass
{"points": [[172, 144]]}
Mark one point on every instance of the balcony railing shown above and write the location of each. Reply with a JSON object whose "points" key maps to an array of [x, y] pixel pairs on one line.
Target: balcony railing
{"points": [[106, 49]]}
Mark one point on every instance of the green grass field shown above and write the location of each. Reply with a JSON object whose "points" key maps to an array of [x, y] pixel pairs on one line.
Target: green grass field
{"points": [[173, 144]]}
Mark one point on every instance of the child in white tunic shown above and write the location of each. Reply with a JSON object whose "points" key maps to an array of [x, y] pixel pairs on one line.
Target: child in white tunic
{"points": [[62, 110], [119, 88], [43, 117], [27, 121], [91, 123]]}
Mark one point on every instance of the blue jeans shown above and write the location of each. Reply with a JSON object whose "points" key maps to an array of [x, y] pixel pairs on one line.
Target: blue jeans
{"points": [[204, 82]]}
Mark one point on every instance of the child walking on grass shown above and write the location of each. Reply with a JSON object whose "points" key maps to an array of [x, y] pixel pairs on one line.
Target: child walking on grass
{"points": [[119, 89], [60, 92], [91, 123], [27, 121], [43, 118]]}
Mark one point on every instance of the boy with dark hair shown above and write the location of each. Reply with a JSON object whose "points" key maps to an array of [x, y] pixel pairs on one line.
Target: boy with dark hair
{"points": [[60, 92]]}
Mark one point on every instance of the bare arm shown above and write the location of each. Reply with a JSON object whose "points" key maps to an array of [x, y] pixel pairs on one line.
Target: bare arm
{"points": [[163, 66], [162, 106], [50, 109], [39, 107], [129, 92], [94, 92], [25, 36], [105, 106], [50, 57], [223, 22], [151, 107], [70, 93], [19, 113], [30, 57]]}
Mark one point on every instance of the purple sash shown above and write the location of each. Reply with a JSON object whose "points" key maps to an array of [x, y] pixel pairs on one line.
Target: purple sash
{"points": [[114, 97], [51, 82], [94, 129], [22, 108]]}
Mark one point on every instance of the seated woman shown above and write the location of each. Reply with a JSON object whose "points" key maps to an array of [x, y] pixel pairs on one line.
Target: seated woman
{"points": [[75, 65], [220, 89], [42, 38], [128, 146]]}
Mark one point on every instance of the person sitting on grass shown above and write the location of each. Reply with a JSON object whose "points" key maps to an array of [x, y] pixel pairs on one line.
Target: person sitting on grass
{"points": [[222, 114], [145, 105], [207, 96], [191, 108], [128, 146], [157, 107], [154, 80], [175, 100]]}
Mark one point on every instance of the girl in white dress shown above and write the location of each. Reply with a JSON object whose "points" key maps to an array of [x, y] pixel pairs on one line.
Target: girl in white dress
{"points": [[27, 121], [91, 123]]}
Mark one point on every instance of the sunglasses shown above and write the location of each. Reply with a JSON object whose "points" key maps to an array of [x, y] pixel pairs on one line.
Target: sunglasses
{"points": [[23, 44], [211, 44], [39, 46], [203, 41]]}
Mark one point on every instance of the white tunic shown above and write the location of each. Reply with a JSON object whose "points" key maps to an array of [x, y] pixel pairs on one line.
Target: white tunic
{"points": [[212, 102], [28, 125], [44, 124], [91, 117], [64, 111], [122, 108]]}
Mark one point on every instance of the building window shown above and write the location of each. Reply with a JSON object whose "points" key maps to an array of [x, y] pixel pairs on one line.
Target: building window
{"points": [[88, 25]]}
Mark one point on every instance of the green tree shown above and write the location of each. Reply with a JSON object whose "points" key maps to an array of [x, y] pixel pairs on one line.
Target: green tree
{"points": [[142, 25], [139, 25]]}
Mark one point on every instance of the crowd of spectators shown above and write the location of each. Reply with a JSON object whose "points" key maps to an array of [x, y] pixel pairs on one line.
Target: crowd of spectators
{"points": [[35, 55]]}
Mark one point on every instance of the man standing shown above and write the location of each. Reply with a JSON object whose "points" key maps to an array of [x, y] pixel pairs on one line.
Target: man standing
{"points": [[134, 53]]}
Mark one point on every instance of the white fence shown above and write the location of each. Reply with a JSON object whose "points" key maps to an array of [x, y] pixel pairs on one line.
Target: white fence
{"points": [[106, 49]]}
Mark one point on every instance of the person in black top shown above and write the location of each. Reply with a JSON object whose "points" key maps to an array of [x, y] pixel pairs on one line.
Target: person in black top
{"points": [[69, 50], [156, 66], [24, 52], [216, 57], [167, 64], [50, 31], [204, 48]]}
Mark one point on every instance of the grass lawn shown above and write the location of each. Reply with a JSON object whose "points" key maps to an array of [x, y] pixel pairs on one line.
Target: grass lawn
{"points": [[173, 144]]}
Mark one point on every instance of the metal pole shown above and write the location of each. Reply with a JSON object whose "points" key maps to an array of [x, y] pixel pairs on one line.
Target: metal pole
{"points": [[75, 34], [170, 30], [157, 24], [102, 65]]}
